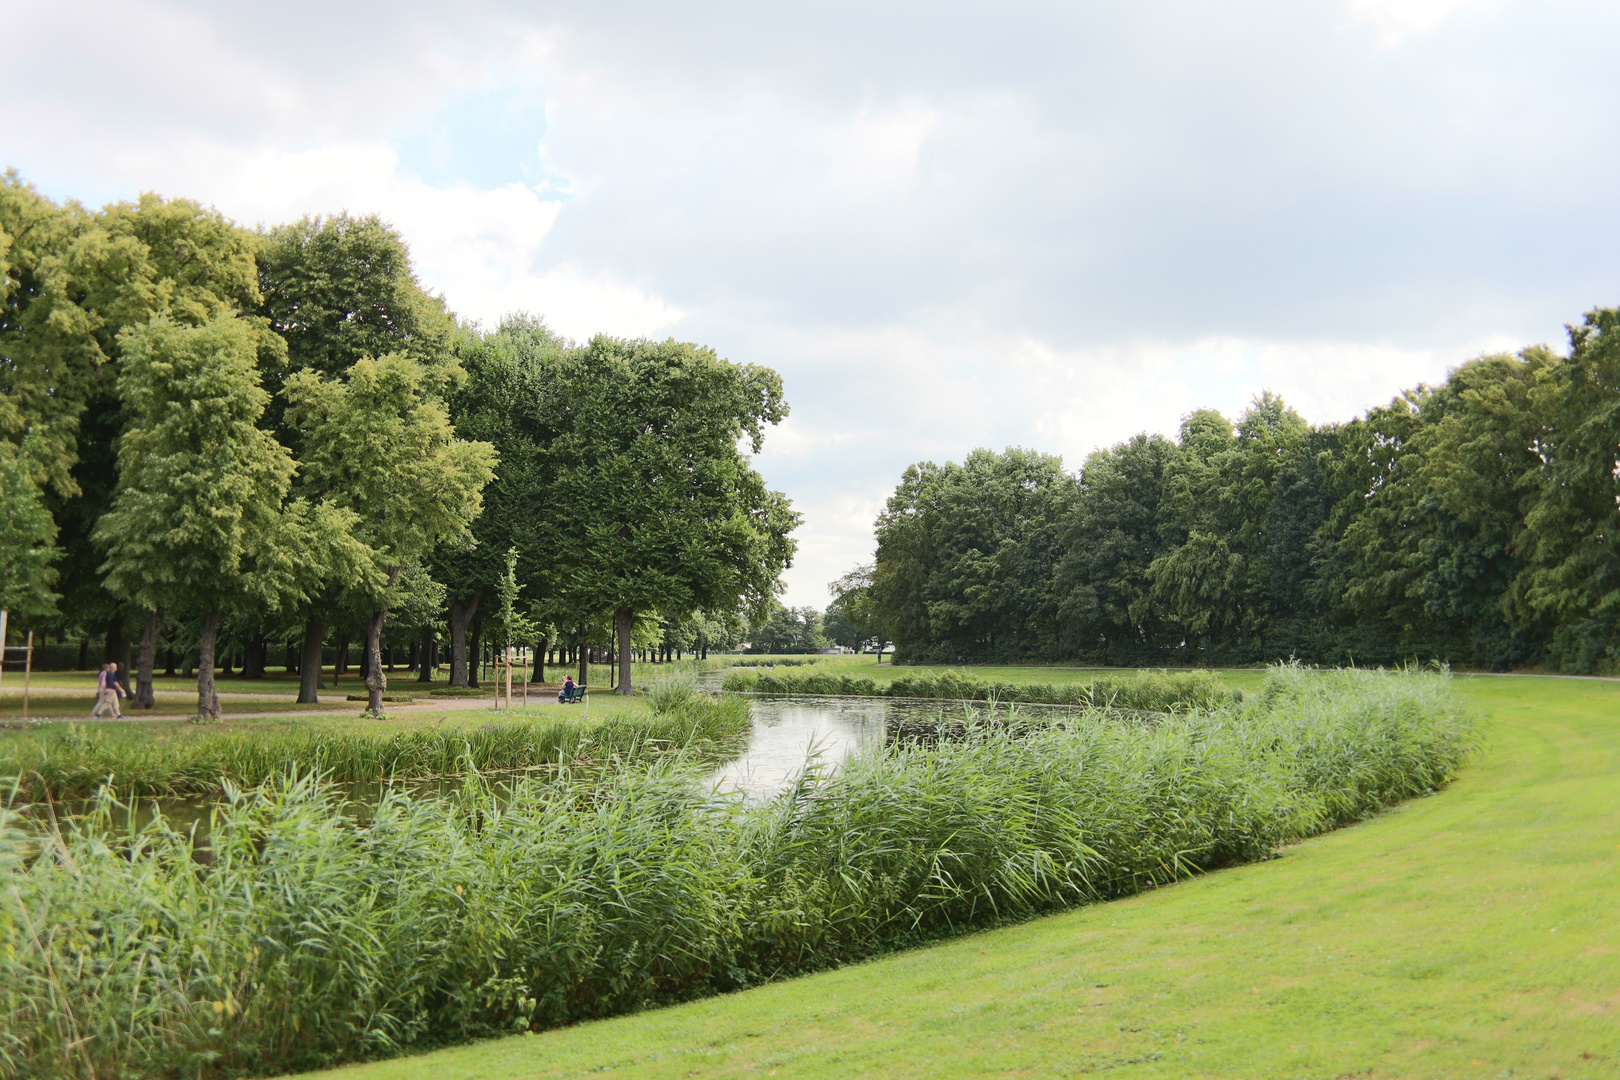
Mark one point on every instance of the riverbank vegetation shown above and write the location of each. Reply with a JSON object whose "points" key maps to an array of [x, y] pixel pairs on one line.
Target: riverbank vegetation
{"points": [[1158, 691], [64, 761], [1470, 934], [312, 939]]}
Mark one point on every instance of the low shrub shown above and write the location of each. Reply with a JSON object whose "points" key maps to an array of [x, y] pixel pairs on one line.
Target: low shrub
{"points": [[1156, 691], [774, 661], [311, 939]]}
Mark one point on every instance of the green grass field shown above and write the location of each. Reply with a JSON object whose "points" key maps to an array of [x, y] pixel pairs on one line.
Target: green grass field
{"points": [[1470, 934]]}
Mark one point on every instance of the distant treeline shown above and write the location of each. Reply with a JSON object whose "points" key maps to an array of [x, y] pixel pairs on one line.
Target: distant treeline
{"points": [[1472, 522]]}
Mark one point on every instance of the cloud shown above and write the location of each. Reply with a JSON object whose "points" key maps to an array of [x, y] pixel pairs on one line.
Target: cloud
{"points": [[1396, 20], [947, 224]]}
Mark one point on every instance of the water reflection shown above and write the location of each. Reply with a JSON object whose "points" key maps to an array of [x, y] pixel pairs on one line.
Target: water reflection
{"points": [[789, 732]]}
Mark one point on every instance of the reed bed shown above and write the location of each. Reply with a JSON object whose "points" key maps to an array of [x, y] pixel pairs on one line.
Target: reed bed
{"points": [[312, 939], [76, 761], [1154, 691]]}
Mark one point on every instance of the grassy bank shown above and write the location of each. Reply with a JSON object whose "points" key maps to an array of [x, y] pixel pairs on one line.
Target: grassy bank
{"points": [[312, 939], [68, 761], [1468, 935], [1158, 691]]}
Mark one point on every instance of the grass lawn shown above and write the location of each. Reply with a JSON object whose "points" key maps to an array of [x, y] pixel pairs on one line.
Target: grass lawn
{"points": [[1471, 934], [325, 716]]}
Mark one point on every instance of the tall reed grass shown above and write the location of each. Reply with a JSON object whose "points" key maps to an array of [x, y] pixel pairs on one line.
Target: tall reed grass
{"points": [[74, 761], [312, 939], [1157, 691]]}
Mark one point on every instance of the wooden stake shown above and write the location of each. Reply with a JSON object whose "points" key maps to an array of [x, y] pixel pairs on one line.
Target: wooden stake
{"points": [[28, 670]]}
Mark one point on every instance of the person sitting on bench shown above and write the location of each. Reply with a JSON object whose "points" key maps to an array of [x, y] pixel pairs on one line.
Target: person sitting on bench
{"points": [[569, 691]]}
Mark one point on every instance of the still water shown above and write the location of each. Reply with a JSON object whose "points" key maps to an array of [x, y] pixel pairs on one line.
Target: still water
{"points": [[789, 733]]}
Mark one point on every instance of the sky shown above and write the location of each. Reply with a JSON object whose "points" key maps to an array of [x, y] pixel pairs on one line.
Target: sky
{"points": [[947, 225]]}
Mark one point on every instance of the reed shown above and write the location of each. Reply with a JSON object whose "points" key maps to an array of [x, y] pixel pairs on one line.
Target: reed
{"points": [[75, 761], [311, 938], [1156, 691]]}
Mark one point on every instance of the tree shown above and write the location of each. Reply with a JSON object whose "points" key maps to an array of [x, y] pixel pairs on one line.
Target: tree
{"points": [[1111, 538], [202, 526], [966, 554], [787, 630], [654, 506], [27, 543], [507, 400], [850, 618], [1574, 572], [379, 445], [338, 290]]}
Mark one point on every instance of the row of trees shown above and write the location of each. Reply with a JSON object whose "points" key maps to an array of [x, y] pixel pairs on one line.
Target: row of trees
{"points": [[279, 433], [1474, 521]]}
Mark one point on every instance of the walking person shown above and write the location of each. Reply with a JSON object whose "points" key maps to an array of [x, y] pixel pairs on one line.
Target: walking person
{"points": [[107, 690]]}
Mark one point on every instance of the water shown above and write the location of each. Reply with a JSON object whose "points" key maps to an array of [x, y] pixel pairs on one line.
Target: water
{"points": [[791, 732]]}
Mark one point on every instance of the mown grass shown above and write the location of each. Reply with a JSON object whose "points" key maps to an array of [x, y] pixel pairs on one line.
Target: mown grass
{"points": [[314, 938], [1158, 691], [72, 760], [1467, 935]]}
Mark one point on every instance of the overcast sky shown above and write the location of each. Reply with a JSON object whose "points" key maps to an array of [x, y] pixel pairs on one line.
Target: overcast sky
{"points": [[947, 225]]}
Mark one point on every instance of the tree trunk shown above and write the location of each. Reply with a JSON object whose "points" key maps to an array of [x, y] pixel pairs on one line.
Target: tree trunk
{"points": [[376, 680], [144, 697], [539, 674], [625, 621], [117, 649], [584, 657], [309, 664], [475, 668], [289, 659], [461, 613], [255, 654], [168, 662], [84, 654], [340, 662], [207, 699], [427, 656], [224, 665]]}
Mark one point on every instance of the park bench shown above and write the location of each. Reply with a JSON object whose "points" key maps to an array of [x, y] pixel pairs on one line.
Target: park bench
{"points": [[571, 694]]}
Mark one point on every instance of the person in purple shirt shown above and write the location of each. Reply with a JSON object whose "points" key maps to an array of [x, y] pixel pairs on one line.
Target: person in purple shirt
{"points": [[107, 693]]}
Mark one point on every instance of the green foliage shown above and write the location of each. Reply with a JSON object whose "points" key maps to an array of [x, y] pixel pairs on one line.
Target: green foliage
{"points": [[1465, 522], [1157, 691], [787, 630], [27, 542], [310, 939], [851, 619], [340, 290], [967, 553], [378, 443], [202, 523], [651, 505]]}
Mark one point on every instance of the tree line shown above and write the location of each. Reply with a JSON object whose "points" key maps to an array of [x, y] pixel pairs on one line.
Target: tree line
{"points": [[214, 437], [1473, 522]]}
